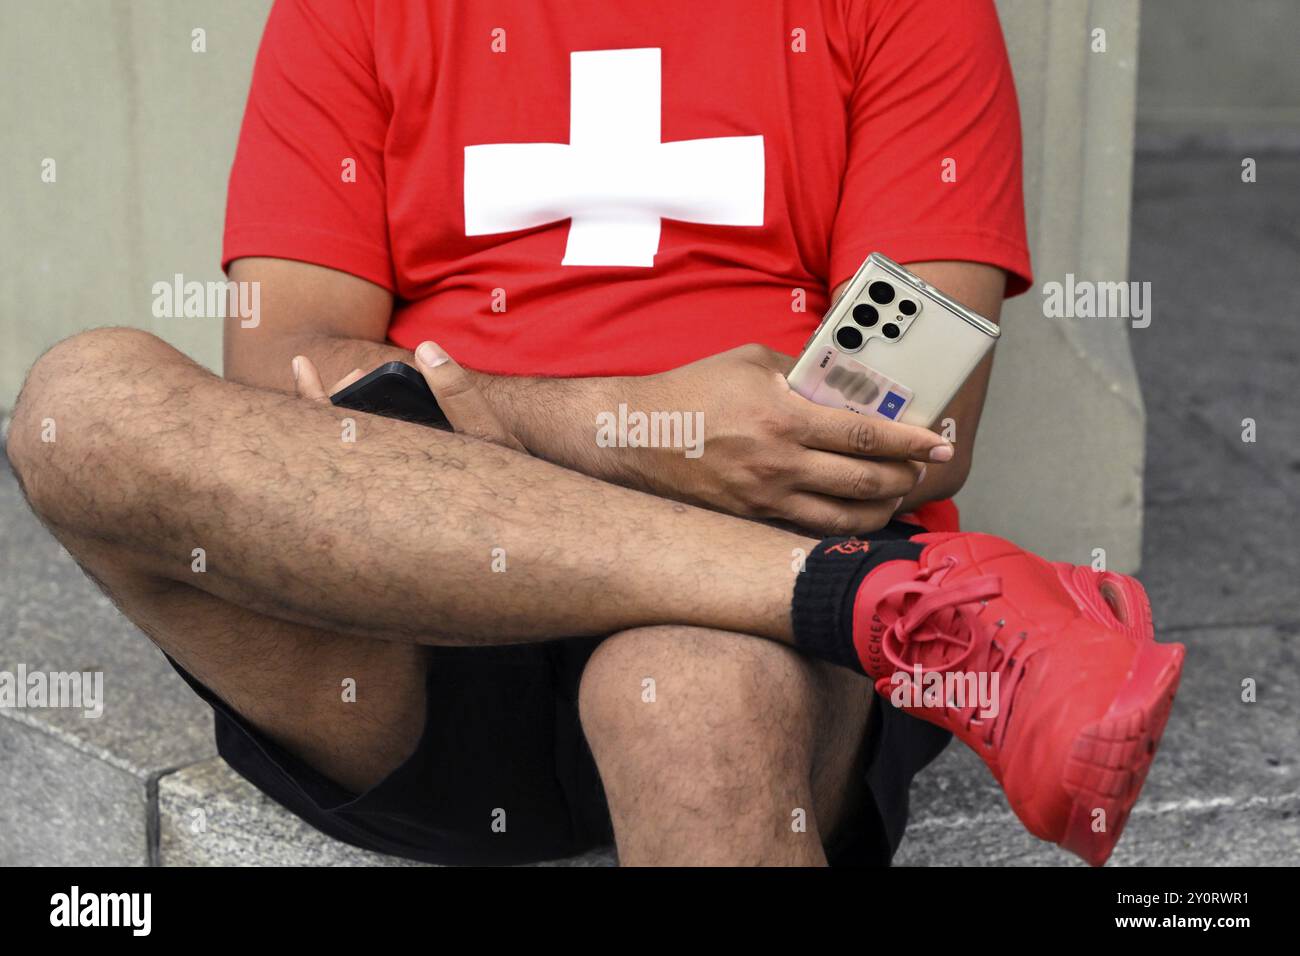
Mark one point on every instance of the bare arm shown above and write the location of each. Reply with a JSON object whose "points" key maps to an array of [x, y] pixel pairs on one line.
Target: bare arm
{"points": [[340, 322], [770, 453]]}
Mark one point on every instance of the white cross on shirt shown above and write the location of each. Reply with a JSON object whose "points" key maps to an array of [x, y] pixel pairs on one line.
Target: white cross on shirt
{"points": [[614, 179]]}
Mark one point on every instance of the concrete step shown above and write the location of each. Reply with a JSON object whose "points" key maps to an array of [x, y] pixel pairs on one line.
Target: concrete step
{"points": [[77, 789], [210, 816], [1192, 832]]}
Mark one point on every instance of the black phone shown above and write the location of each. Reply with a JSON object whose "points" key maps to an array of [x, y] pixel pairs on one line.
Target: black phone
{"points": [[394, 390]]}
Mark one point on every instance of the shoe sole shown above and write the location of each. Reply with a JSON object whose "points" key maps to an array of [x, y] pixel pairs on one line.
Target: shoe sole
{"points": [[1110, 758]]}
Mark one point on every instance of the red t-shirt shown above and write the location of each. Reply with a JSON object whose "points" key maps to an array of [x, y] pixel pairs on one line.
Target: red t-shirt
{"points": [[596, 188]]}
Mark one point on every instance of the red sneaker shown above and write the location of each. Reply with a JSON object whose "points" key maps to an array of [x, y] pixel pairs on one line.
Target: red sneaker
{"points": [[1112, 599], [982, 638]]}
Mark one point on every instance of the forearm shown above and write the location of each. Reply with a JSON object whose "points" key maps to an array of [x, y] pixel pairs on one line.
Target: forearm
{"points": [[404, 534], [340, 322], [269, 364], [554, 418]]}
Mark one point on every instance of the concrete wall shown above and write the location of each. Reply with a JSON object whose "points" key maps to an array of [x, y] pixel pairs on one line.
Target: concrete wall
{"points": [[1058, 467], [1209, 65], [143, 131]]}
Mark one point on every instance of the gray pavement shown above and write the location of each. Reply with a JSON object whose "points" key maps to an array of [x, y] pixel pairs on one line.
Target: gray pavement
{"points": [[141, 785]]}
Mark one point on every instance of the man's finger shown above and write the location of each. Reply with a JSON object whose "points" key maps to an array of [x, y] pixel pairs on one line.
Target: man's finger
{"points": [[825, 515], [852, 478], [836, 429], [306, 380], [460, 400]]}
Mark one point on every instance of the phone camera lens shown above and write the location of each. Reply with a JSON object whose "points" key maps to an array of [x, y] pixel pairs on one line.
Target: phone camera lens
{"points": [[891, 330], [907, 307], [849, 338], [882, 293], [865, 315]]}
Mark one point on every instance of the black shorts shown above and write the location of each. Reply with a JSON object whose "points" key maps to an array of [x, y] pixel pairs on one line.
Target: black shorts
{"points": [[502, 743]]}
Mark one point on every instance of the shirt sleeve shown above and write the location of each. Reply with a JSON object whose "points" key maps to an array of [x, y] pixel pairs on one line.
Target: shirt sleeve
{"points": [[934, 166], [308, 176]]}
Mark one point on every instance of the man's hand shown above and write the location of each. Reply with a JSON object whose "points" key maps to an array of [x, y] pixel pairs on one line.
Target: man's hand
{"points": [[460, 400], [770, 453]]}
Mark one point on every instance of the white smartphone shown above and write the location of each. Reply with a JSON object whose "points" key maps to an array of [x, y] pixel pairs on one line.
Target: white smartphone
{"points": [[892, 345]]}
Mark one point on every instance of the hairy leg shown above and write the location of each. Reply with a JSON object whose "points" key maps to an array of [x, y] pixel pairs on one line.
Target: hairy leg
{"points": [[286, 679], [309, 542], [715, 748], [391, 536]]}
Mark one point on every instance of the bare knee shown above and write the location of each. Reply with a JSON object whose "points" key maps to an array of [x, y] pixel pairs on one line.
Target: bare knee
{"points": [[62, 383], [711, 744], [706, 742], [715, 707], [68, 394]]}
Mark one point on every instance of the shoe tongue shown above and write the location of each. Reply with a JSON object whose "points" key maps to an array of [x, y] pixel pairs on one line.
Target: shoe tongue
{"points": [[871, 618]]}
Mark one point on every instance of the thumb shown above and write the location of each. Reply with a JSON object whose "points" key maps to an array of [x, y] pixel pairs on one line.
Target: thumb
{"points": [[306, 380], [460, 399]]}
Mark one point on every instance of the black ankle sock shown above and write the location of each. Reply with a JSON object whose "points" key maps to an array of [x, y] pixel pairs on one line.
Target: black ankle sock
{"points": [[824, 592]]}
